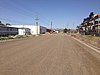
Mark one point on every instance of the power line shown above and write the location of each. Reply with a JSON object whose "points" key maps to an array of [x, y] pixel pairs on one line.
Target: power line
{"points": [[25, 10], [16, 6], [18, 12], [12, 21], [36, 13]]}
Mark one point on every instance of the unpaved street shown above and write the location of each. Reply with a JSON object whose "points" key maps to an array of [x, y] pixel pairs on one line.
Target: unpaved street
{"points": [[56, 54]]}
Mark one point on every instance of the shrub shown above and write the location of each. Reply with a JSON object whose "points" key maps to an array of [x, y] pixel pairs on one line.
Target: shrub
{"points": [[3, 38]]}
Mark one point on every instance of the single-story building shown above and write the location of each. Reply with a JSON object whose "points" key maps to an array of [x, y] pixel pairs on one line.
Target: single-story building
{"points": [[33, 29], [24, 31], [6, 31]]}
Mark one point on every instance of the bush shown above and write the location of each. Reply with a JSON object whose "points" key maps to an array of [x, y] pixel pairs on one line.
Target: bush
{"points": [[10, 37], [20, 36], [65, 30], [3, 38]]}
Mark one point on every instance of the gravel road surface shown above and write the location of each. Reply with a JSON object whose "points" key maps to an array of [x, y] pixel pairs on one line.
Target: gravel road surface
{"points": [[55, 54]]}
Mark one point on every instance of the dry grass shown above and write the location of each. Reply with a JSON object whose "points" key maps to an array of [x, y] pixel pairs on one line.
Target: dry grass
{"points": [[94, 40]]}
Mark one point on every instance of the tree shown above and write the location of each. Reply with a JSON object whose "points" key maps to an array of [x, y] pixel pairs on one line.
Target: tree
{"points": [[91, 15], [65, 30], [1, 24], [84, 20], [7, 24]]}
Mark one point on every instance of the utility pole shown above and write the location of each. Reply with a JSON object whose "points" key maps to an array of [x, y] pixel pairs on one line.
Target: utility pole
{"points": [[67, 26], [51, 25], [73, 26], [37, 24]]}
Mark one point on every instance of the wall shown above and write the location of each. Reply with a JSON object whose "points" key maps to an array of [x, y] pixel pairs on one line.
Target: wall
{"points": [[21, 31], [8, 31], [43, 30]]}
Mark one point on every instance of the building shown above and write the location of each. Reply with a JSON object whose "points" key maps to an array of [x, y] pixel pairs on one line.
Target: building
{"points": [[7, 31], [90, 25], [24, 31], [33, 29], [42, 30], [96, 22]]}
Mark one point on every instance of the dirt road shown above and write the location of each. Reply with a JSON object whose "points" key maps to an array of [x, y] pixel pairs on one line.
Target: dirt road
{"points": [[56, 54]]}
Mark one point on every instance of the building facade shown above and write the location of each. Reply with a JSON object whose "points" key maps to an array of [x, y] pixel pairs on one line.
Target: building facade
{"points": [[33, 29], [24, 31], [7, 31], [90, 25]]}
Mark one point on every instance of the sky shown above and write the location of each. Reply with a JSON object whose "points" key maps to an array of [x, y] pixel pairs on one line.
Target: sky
{"points": [[62, 13]]}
